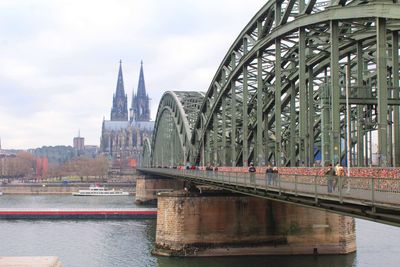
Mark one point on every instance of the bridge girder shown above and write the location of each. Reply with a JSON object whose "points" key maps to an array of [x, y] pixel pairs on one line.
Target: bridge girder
{"points": [[333, 59], [146, 162], [175, 118], [314, 52]]}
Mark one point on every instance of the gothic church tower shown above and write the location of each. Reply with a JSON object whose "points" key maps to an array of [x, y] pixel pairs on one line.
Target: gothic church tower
{"points": [[119, 110], [140, 108]]}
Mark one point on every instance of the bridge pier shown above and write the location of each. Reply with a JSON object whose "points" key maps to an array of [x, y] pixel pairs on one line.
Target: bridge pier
{"points": [[147, 188], [216, 223]]}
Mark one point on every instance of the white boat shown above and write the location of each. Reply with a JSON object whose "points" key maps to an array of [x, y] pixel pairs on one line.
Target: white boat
{"points": [[1, 193], [100, 191]]}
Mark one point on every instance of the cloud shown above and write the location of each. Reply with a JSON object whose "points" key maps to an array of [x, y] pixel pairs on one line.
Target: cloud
{"points": [[60, 59]]}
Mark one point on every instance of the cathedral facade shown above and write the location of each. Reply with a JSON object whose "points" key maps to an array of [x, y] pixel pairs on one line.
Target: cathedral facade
{"points": [[122, 137]]}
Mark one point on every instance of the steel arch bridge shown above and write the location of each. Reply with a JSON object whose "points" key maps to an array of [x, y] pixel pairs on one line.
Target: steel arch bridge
{"points": [[176, 116], [305, 81]]}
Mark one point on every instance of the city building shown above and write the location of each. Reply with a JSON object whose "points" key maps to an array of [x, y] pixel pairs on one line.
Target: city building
{"points": [[122, 137], [91, 151], [79, 143], [54, 154]]}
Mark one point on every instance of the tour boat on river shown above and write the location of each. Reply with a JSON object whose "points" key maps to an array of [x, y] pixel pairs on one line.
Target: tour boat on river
{"points": [[100, 191]]}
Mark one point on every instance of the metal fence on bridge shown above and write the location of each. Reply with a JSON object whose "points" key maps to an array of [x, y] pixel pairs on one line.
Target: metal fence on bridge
{"points": [[369, 191]]}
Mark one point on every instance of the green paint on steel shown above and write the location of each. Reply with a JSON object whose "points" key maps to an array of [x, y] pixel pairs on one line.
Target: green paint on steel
{"points": [[279, 91]]}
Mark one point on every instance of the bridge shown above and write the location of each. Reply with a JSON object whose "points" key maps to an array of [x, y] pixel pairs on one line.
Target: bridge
{"points": [[305, 83], [373, 198]]}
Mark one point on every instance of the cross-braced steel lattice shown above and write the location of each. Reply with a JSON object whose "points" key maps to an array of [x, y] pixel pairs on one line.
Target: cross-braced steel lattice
{"points": [[305, 82], [176, 116]]}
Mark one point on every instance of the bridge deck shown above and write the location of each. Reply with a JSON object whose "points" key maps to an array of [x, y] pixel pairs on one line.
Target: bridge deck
{"points": [[372, 198]]}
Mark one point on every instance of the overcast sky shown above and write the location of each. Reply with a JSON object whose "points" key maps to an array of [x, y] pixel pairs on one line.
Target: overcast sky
{"points": [[59, 59]]}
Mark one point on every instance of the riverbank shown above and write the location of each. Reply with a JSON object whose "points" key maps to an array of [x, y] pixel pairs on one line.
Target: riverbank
{"points": [[49, 261], [58, 188]]}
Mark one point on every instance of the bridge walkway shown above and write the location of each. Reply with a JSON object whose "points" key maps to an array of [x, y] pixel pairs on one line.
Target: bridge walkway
{"points": [[372, 198]]}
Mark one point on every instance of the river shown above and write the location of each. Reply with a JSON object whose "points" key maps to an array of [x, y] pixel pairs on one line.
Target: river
{"points": [[129, 242]]}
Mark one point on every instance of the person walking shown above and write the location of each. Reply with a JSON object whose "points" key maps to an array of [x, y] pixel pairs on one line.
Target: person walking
{"points": [[269, 171], [335, 180], [215, 169], [252, 171], [330, 173], [275, 176], [340, 174]]}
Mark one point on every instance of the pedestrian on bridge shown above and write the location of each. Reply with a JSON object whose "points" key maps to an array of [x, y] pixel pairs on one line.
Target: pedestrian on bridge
{"points": [[275, 176], [339, 172], [270, 172], [330, 173], [215, 170], [252, 171]]}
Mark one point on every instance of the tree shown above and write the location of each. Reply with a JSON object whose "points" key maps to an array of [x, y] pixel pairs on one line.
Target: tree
{"points": [[81, 166]]}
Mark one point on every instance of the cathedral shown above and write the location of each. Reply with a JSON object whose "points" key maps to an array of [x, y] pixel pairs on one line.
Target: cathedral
{"points": [[122, 136]]}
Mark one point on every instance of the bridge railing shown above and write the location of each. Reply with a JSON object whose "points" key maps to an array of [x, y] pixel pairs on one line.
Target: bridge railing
{"points": [[372, 191]]}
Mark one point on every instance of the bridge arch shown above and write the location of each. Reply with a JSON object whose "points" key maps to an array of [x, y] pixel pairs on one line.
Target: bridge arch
{"points": [[334, 60], [175, 118], [146, 162]]}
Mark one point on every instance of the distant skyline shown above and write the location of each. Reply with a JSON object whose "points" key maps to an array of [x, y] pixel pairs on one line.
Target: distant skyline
{"points": [[60, 59]]}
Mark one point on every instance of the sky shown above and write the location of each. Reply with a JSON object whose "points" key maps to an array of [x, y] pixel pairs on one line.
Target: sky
{"points": [[59, 59]]}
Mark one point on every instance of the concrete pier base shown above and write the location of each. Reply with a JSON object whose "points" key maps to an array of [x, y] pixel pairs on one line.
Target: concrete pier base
{"points": [[147, 188], [218, 224], [30, 262]]}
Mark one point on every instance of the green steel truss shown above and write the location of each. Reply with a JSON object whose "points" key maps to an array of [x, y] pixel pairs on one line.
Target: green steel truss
{"points": [[146, 162], [176, 116], [284, 90]]}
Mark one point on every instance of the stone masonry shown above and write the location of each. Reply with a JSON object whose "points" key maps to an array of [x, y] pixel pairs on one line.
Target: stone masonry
{"points": [[217, 223]]}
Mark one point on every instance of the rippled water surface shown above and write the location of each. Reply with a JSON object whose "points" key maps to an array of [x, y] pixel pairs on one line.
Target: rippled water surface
{"points": [[129, 242]]}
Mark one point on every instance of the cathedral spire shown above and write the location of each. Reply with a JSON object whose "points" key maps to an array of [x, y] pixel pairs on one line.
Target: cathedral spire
{"points": [[119, 110], [140, 108], [120, 83], [141, 91]]}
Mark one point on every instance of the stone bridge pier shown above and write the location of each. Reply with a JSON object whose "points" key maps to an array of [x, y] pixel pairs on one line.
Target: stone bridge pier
{"points": [[148, 186], [218, 223]]}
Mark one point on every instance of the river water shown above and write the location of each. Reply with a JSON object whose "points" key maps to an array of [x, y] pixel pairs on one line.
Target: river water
{"points": [[129, 242]]}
